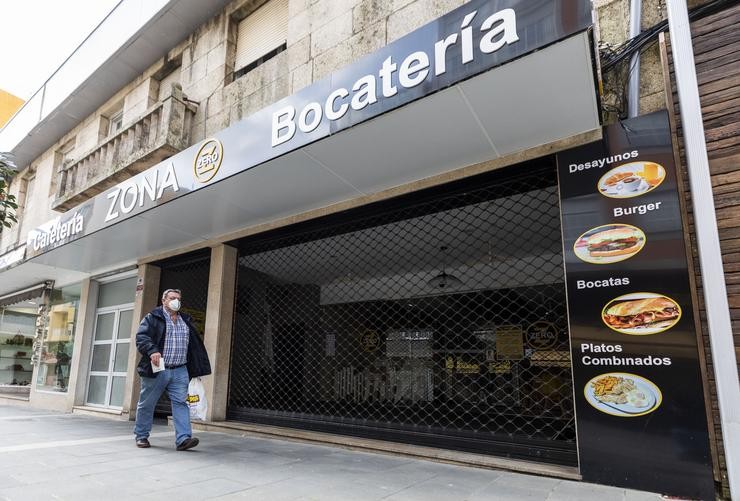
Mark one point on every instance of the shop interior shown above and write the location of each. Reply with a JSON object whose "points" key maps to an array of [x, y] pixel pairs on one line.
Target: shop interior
{"points": [[436, 318]]}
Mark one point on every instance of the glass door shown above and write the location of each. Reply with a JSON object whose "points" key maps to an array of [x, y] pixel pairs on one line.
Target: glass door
{"points": [[109, 360]]}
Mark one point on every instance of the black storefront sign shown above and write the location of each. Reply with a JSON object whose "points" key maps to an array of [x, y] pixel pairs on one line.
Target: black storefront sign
{"points": [[641, 419]]}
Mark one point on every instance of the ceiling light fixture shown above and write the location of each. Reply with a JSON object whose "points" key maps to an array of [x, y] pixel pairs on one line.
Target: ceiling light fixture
{"points": [[444, 281]]}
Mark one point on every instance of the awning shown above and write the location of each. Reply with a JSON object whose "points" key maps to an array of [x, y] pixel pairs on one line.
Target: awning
{"points": [[25, 294], [531, 101]]}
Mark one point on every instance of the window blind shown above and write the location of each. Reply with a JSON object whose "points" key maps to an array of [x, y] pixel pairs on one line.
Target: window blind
{"points": [[165, 85], [261, 32]]}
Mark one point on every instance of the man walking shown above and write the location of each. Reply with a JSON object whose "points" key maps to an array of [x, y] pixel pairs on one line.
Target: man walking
{"points": [[167, 335]]}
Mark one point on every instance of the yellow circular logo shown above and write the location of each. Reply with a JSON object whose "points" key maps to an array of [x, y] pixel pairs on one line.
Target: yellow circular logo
{"points": [[208, 160], [370, 341]]}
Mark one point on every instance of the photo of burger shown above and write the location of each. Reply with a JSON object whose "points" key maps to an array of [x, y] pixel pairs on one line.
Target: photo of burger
{"points": [[609, 243], [631, 180], [642, 313]]}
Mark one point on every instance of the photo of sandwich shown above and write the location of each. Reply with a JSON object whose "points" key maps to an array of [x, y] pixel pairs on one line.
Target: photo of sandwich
{"points": [[609, 243], [640, 314], [623, 394], [631, 180]]}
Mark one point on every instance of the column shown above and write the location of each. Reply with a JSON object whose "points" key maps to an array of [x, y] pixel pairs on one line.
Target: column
{"points": [[147, 297], [84, 331], [218, 329]]}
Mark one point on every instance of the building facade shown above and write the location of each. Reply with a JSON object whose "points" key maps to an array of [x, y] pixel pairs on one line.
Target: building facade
{"points": [[9, 104], [387, 219]]}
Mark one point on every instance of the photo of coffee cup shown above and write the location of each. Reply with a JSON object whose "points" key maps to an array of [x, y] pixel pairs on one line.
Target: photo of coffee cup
{"points": [[631, 183], [631, 180]]}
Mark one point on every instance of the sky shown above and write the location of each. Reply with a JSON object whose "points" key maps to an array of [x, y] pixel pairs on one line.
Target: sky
{"points": [[38, 35]]}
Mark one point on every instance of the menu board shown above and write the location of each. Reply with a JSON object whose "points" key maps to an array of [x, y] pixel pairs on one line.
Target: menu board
{"points": [[641, 419], [509, 342]]}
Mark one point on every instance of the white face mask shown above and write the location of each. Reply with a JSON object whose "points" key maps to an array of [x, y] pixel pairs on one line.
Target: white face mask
{"points": [[175, 305]]}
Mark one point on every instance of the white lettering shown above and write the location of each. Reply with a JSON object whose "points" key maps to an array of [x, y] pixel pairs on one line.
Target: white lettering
{"points": [[611, 282], [329, 110], [467, 38], [149, 187], [313, 109], [416, 63], [169, 181], [133, 191], [283, 120], [113, 196], [386, 77], [507, 17], [636, 209], [365, 92], [497, 31], [440, 53], [599, 163], [601, 348]]}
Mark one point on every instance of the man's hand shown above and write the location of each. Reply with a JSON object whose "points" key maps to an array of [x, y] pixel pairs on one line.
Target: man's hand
{"points": [[155, 358]]}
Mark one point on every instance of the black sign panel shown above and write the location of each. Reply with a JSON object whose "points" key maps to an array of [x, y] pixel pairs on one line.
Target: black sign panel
{"points": [[469, 40], [641, 418]]}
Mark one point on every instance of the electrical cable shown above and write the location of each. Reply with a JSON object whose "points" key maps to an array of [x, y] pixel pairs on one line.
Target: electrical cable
{"points": [[612, 57]]}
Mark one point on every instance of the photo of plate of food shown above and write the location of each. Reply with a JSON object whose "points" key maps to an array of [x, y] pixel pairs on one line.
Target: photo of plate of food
{"points": [[641, 313], [609, 243], [631, 180], [623, 394]]}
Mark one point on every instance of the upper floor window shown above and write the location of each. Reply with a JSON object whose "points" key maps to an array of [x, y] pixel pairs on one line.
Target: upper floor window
{"points": [[261, 36], [165, 85], [62, 160], [115, 123], [25, 198]]}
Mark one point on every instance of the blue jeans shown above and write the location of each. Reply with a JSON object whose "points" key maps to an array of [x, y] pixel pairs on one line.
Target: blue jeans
{"points": [[175, 381]]}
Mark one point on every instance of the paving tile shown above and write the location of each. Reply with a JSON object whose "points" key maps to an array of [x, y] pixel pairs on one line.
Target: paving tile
{"points": [[7, 482], [449, 486], [514, 480], [630, 495], [252, 475], [293, 489], [232, 467], [581, 491], [502, 492], [197, 491]]}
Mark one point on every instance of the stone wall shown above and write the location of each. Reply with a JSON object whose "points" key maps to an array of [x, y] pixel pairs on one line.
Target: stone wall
{"points": [[612, 29], [323, 36]]}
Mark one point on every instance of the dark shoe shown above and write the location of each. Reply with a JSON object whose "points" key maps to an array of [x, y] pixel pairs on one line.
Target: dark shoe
{"points": [[142, 443], [188, 443]]}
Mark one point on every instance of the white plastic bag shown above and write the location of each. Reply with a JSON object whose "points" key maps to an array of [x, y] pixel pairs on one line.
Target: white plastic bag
{"points": [[197, 399]]}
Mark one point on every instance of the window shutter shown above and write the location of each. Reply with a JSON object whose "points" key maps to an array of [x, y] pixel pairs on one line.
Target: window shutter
{"points": [[262, 31], [165, 85]]}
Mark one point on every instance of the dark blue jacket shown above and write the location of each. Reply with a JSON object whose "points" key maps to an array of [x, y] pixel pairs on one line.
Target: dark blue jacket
{"points": [[150, 340]]}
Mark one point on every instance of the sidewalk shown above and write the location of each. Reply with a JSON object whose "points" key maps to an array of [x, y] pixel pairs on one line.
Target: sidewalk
{"points": [[46, 455]]}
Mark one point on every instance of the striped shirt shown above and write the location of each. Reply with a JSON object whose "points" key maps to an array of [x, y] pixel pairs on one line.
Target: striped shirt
{"points": [[175, 341]]}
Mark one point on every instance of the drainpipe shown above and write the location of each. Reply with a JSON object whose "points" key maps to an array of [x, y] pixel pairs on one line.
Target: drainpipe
{"points": [[707, 239], [633, 89]]}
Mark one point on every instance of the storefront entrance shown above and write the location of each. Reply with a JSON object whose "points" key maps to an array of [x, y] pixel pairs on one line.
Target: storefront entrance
{"points": [[110, 356], [436, 318], [189, 274], [111, 342]]}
